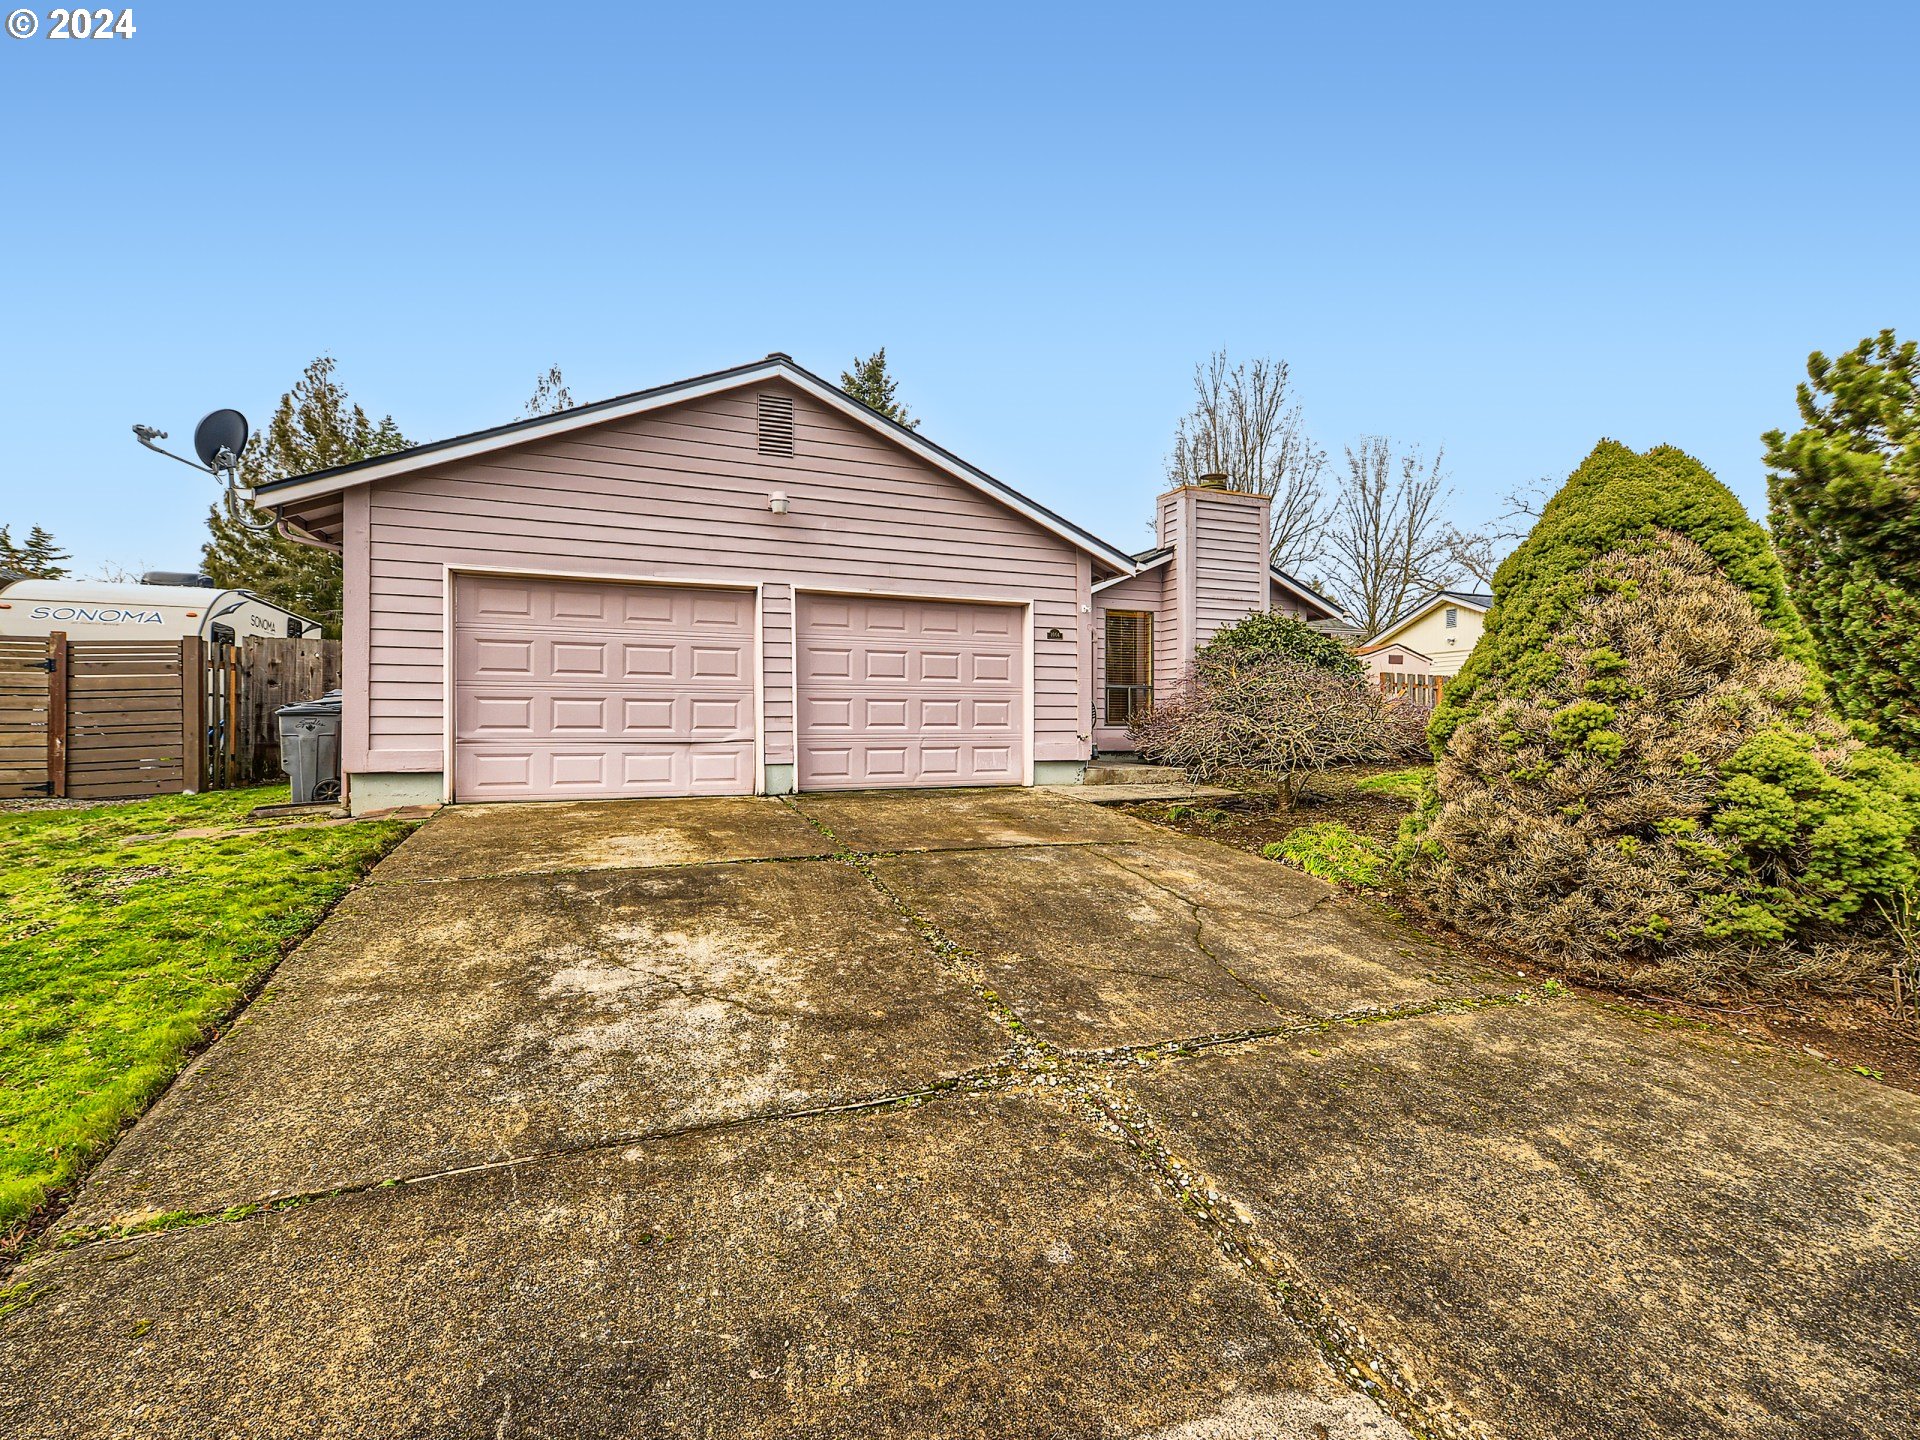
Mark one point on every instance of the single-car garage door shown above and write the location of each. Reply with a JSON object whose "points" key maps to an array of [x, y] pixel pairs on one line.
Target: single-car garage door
{"points": [[908, 692], [567, 689]]}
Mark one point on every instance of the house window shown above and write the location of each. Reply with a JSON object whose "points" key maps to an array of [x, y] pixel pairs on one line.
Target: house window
{"points": [[1453, 618], [1396, 658], [1129, 665]]}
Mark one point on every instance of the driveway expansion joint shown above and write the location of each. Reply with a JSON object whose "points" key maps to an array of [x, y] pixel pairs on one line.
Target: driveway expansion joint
{"points": [[985, 1079], [1084, 1085]]}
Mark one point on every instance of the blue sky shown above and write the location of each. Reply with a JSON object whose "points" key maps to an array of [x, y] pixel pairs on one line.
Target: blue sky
{"points": [[1505, 230]]}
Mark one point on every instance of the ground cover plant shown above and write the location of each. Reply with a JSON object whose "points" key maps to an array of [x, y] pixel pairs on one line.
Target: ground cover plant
{"points": [[123, 943]]}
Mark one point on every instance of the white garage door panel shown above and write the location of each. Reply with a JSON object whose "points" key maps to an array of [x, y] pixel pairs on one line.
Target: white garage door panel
{"points": [[903, 693], [574, 689]]}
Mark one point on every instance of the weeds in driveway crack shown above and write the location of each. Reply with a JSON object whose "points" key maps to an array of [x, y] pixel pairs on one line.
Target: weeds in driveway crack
{"points": [[1085, 1082]]}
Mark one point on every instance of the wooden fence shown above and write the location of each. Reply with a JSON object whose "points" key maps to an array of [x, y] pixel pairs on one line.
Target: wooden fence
{"points": [[1421, 690], [107, 719]]}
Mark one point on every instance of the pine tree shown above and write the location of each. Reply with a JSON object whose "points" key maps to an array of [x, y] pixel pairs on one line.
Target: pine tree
{"points": [[315, 427], [870, 384], [1845, 508], [38, 559]]}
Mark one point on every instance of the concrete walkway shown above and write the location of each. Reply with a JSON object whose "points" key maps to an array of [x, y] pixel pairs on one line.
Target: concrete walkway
{"points": [[984, 1113]]}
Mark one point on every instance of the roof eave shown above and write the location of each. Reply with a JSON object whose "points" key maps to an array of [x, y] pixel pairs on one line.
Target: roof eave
{"points": [[300, 487]]}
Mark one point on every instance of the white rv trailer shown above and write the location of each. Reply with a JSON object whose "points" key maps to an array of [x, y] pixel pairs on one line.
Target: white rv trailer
{"points": [[97, 610]]}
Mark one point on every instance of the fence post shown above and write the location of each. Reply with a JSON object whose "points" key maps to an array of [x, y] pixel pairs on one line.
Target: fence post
{"points": [[57, 672], [193, 714]]}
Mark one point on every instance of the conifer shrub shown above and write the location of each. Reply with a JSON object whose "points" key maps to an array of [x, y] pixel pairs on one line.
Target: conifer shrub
{"points": [[1613, 499], [1655, 793], [1263, 633]]}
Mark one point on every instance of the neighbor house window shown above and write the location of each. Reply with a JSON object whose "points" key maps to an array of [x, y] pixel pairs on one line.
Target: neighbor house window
{"points": [[1129, 665], [1453, 618]]}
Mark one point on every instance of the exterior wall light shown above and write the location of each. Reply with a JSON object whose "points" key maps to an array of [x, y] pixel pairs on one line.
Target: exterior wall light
{"points": [[777, 502]]}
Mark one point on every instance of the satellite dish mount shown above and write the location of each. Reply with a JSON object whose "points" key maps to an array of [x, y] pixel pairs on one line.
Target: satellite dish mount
{"points": [[219, 440]]}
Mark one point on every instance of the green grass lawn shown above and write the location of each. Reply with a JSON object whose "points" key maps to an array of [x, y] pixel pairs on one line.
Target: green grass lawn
{"points": [[123, 944]]}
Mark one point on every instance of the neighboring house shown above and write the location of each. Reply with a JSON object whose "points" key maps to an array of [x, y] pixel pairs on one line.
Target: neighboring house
{"points": [[1394, 659], [1443, 628], [747, 582], [1402, 672]]}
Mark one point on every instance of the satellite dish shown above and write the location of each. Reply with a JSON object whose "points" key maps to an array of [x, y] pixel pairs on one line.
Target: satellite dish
{"points": [[219, 439]]}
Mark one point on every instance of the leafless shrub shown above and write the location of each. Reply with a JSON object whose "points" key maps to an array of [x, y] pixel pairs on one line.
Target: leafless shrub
{"points": [[1267, 719], [1403, 731]]}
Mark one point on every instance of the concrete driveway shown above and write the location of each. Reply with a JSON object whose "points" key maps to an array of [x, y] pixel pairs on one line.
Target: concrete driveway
{"points": [[984, 1113]]}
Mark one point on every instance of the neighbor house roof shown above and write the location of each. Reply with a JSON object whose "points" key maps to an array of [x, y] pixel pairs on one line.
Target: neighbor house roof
{"points": [[275, 493], [1468, 599], [1377, 646]]}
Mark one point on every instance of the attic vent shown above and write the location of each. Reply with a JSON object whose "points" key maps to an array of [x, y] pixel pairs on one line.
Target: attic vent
{"points": [[776, 425]]}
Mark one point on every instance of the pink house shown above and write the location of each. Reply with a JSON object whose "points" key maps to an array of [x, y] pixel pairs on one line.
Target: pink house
{"points": [[745, 583]]}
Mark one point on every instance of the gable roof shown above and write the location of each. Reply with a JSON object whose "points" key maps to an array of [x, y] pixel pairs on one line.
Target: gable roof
{"points": [[1377, 646], [775, 366], [1307, 593], [1467, 599], [1143, 561]]}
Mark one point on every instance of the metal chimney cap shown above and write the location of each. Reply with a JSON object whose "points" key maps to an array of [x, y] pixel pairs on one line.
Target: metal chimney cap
{"points": [[1215, 480]]}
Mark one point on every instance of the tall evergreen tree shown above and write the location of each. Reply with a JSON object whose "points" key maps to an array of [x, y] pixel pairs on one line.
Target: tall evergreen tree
{"points": [[38, 558], [315, 427], [1844, 493], [870, 384]]}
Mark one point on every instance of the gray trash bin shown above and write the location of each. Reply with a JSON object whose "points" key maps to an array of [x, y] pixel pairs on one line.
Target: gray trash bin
{"points": [[310, 747]]}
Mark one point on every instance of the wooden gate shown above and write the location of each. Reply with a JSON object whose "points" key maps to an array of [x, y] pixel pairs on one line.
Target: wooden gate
{"points": [[25, 687], [247, 684], [111, 719]]}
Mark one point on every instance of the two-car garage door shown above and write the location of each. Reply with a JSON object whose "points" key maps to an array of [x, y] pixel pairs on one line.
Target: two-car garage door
{"points": [[575, 689]]}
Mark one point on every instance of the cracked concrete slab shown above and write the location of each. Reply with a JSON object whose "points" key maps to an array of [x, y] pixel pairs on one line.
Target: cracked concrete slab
{"points": [[469, 841], [1580, 1223], [1086, 954], [1300, 941], [430, 1026], [1095, 947], [890, 820], [977, 1267]]}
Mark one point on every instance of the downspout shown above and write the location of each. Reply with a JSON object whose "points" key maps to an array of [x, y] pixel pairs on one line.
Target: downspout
{"points": [[295, 531]]}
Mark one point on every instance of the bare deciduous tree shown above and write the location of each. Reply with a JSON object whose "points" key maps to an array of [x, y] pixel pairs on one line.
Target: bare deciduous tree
{"points": [[1387, 537], [550, 393], [1478, 553], [113, 572], [1241, 426]]}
